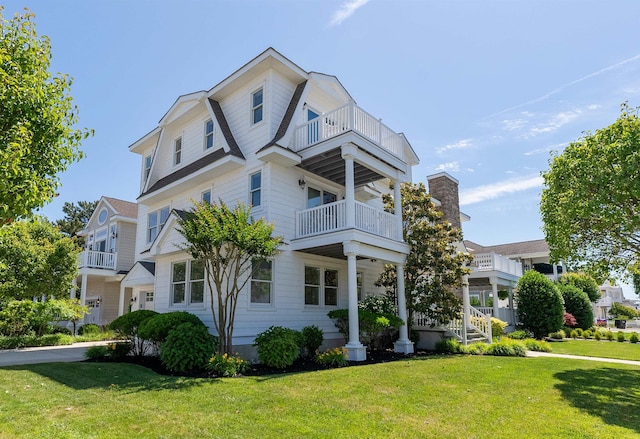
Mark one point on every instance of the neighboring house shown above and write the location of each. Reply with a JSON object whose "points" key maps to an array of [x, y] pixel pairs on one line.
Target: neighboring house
{"points": [[295, 146], [108, 255]]}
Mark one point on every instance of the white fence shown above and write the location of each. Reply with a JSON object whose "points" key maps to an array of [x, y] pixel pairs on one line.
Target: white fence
{"points": [[496, 262], [95, 259]]}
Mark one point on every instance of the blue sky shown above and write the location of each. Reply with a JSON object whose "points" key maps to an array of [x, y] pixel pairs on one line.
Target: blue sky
{"points": [[482, 89]]}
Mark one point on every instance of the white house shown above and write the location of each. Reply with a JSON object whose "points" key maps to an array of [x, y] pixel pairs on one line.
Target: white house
{"points": [[295, 146]]}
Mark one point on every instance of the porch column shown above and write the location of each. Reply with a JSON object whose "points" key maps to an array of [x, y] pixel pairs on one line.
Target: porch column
{"points": [[356, 350], [83, 290], [403, 345], [513, 311], [466, 308], [349, 194], [494, 291], [121, 300], [397, 206]]}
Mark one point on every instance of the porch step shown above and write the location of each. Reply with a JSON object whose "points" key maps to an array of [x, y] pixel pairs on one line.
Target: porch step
{"points": [[474, 336]]}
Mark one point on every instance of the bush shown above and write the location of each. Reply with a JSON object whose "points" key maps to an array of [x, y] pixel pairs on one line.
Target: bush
{"points": [[569, 320], [506, 348], [60, 330], [519, 334], [609, 335], [312, 338], [576, 303], [376, 330], [127, 325], [580, 332], [537, 345], [634, 338], [597, 335], [336, 357], [96, 353], [558, 335], [620, 336], [449, 346], [475, 348], [574, 334], [278, 347], [584, 283], [622, 312], [497, 327], [188, 348], [157, 327], [540, 307], [225, 365], [379, 304], [89, 328]]}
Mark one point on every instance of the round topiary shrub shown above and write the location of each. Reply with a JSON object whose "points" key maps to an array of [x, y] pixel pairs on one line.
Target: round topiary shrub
{"points": [[620, 336], [188, 348], [634, 338], [540, 306], [89, 328], [157, 328], [278, 347], [128, 324]]}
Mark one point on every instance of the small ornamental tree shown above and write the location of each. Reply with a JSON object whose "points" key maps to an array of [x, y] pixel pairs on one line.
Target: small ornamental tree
{"points": [[583, 282], [540, 306], [623, 312], [228, 241], [577, 303]]}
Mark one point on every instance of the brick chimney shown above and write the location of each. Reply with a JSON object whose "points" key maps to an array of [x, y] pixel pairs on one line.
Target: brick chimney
{"points": [[444, 188]]}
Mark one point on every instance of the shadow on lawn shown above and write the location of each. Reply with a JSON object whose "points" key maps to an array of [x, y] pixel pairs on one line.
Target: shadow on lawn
{"points": [[611, 394], [117, 376]]}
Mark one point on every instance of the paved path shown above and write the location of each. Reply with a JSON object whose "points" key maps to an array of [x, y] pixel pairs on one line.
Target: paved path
{"points": [[580, 357], [47, 354]]}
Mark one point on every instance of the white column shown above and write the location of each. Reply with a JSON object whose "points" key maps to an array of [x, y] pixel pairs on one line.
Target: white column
{"points": [[121, 300], [403, 344], [494, 291], [466, 308], [356, 350], [513, 311], [83, 290], [349, 191], [397, 207]]}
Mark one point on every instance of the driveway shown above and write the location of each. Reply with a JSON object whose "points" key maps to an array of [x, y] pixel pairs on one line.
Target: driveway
{"points": [[47, 354]]}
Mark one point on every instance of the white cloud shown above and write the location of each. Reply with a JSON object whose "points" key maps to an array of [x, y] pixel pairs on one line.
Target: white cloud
{"points": [[449, 167], [461, 144], [557, 146], [497, 190], [345, 11], [555, 123], [513, 124]]}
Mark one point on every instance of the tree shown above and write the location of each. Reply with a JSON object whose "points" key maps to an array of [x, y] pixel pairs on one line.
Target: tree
{"points": [[434, 266], [577, 303], [584, 283], [76, 217], [36, 260], [623, 312], [591, 200], [230, 243], [37, 138], [540, 306]]}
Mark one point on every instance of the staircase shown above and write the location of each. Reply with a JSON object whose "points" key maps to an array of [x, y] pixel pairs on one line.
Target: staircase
{"points": [[478, 330]]}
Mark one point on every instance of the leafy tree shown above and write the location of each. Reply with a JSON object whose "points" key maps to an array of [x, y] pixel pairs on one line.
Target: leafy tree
{"points": [[540, 306], [577, 303], [583, 282], [37, 138], [76, 217], [434, 266], [36, 260], [228, 241], [591, 200], [623, 312]]}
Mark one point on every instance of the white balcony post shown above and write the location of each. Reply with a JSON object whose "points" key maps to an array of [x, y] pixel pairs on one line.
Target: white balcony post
{"points": [[121, 300], [397, 207], [352, 109], [466, 308], [494, 291], [403, 345], [83, 290], [356, 350], [350, 194]]}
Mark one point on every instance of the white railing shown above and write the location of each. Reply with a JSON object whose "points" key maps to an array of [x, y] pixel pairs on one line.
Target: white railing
{"points": [[94, 259], [477, 320], [496, 262], [349, 117], [481, 322], [488, 310], [333, 217]]}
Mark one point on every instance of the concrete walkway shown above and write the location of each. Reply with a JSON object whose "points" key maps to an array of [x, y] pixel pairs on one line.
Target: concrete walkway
{"points": [[580, 357], [47, 354]]}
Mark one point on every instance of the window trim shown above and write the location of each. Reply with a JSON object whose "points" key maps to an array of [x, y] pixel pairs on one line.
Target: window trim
{"points": [[210, 192], [148, 161], [270, 282], [254, 108], [159, 224], [177, 151], [257, 189], [208, 135], [322, 287], [188, 283]]}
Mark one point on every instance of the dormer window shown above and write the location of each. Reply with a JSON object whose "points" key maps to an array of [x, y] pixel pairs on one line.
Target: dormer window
{"points": [[177, 151], [208, 134], [147, 166], [257, 101]]}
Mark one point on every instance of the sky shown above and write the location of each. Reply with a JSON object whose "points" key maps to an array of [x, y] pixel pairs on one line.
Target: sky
{"points": [[483, 90]]}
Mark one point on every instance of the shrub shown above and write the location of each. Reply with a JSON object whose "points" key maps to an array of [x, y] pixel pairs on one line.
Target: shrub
{"points": [[376, 330], [609, 335], [576, 303], [622, 312], [574, 334], [379, 304], [118, 349], [127, 325], [157, 327], [336, 357], [188, 348], [634, 338], [558, 335], [506, 348], [278, 347], [225, 365], [537, 345], [580, 332], [89, 328], [312, 338], [597, 335], [620, 336], [96, 353], [519, 334], [569, 320], [475, 348], [497, 327], [540, 307], [449, 346]]}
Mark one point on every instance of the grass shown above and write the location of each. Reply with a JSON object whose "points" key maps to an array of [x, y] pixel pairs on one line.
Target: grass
{"points": [[593, 348], [433, 397]]}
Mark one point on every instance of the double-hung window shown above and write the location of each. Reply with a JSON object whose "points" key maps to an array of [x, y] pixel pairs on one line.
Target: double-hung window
{"points": [[147, 166], [320, 286], [205, 197], [177, 151], [155, 221], [257, 105], [262, 282], [187, 282], [208, 134], [255, 189]]}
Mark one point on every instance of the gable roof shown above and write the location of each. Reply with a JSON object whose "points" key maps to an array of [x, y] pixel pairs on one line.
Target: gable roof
{"points": [[122, 207], [149, 266]]}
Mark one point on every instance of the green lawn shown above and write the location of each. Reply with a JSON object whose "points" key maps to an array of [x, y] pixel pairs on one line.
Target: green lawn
{"points": [[594, 348], [435, 397]]}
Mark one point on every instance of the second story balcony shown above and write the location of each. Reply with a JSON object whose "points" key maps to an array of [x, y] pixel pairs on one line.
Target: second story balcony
{"points": [[486, 262], [95, 259]]}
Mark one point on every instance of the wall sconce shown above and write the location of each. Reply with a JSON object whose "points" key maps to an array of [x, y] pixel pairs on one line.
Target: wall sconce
{"points": [[134, 298], [302, 183], [98, 301]]}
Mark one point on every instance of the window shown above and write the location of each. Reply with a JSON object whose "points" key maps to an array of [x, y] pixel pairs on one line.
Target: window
{"points": [[318, 280], [311, 286], [261, 282], [113, 233], [257, 99], [177, 151], [148, 296], [155, 221], [208, 134], [187, 282], [147, 166], [330, 287], [102, 217], [205, 197], [101, 241], [255, 189]]}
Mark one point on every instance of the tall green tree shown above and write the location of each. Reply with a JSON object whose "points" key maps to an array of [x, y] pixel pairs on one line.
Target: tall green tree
{"points": [[591, 200], [229, 242], [37, 118], [434, 266], [36, 259], [583, 282], [76, 217]]}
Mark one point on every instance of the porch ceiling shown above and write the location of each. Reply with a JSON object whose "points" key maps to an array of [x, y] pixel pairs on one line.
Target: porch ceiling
{"points": [[335, 251], [330, 165]]}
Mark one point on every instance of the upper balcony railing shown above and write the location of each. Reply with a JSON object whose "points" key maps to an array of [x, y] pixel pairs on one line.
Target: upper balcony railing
{"points": [[94, 259], [332, 217], [349, 117], [496, 262]]}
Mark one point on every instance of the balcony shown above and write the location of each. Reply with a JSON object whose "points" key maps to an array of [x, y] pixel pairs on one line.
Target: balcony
{"points": [[332, 217], [94, 259], [494, 262], [349, 117]]}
